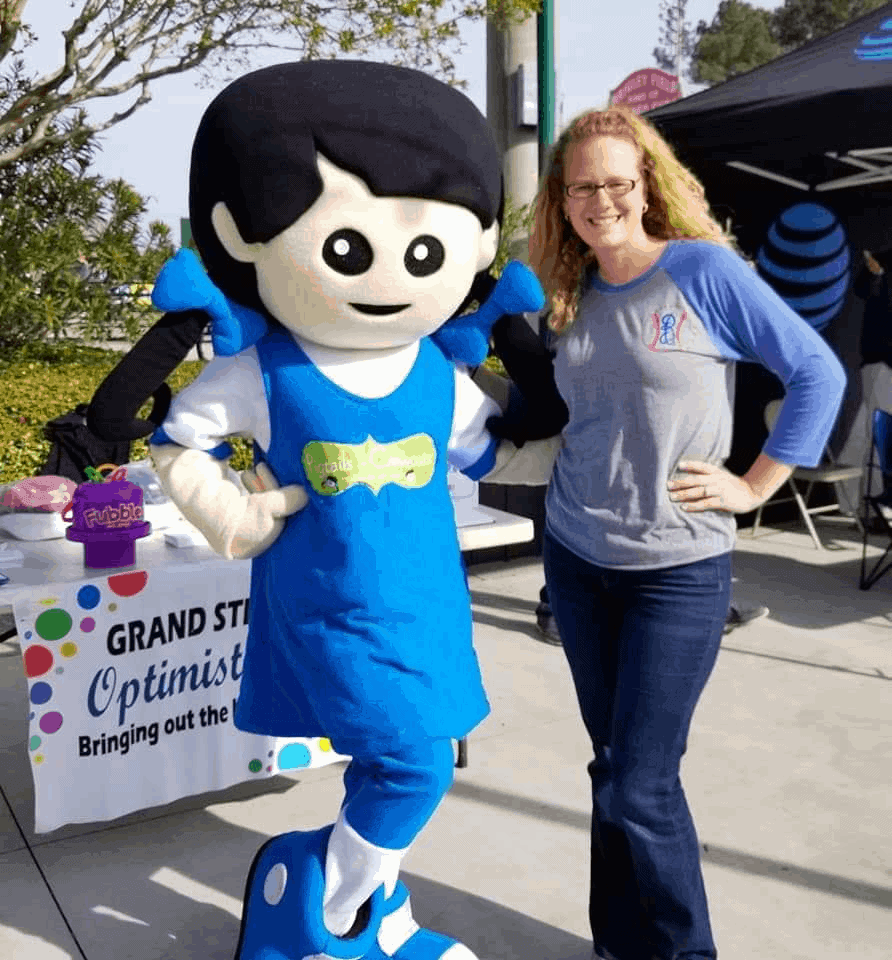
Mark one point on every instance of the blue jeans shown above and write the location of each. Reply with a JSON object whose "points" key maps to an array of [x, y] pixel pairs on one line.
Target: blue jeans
{"points": [[641, 645]]}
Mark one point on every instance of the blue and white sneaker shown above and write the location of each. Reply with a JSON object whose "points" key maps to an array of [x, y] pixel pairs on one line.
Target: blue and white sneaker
{"points": [[400, 937], [282, 915]]}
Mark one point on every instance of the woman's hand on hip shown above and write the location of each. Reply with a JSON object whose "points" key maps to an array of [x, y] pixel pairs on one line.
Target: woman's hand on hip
{"points": [[704, 486]]}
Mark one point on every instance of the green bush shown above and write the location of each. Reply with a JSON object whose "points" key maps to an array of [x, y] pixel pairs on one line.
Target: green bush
{"points": [[493, 363]]}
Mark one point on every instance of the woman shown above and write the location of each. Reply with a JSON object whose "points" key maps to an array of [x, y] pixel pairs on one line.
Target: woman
{"points": [[650, 309]]}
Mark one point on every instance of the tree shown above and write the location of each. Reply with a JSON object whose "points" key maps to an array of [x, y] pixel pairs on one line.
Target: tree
{"points": [[677, 38], [799, 21], [739, 39], [115, 48], [67, 241]]}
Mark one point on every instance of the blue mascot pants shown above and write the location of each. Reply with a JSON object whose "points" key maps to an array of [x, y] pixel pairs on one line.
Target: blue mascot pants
{"points": [[390, 797]]}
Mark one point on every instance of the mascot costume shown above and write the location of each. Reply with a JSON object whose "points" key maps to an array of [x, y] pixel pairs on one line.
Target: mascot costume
{"points": [[345, 213]]}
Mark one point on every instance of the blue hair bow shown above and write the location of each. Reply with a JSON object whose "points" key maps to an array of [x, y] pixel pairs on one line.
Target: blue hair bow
{"points": [[183, 284], [466, 339]]}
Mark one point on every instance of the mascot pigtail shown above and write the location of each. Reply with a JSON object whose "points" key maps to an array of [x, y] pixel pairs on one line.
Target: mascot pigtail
{"points": [[140, 375], [191, 299], [536, 409]]}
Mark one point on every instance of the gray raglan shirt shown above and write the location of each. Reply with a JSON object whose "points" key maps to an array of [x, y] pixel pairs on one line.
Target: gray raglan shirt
{"points": [[647, 373]]}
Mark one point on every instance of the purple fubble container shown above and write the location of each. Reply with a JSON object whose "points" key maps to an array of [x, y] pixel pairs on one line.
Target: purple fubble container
{"points": [[107, 518]]}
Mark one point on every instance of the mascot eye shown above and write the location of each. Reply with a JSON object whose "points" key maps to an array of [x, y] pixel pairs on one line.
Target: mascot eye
{"points": [[347, 251], [424, 256]]}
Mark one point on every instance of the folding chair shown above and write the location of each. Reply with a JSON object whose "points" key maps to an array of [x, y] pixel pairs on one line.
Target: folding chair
{"points": [[880, 456], [831, 472]]}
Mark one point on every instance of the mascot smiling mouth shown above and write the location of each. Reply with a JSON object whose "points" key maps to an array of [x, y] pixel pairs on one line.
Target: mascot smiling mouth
{"points": [[379, 310]]}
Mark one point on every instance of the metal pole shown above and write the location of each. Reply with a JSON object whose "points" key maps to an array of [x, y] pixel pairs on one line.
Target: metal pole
{"points": [[679, 42], [545, 38], [516, 135]]}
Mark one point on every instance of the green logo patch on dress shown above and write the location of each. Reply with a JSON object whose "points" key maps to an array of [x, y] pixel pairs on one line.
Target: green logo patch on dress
{"points": [[333, 468]]}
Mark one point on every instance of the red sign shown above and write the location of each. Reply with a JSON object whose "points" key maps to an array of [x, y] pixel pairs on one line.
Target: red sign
{"points": [[646, 89]]}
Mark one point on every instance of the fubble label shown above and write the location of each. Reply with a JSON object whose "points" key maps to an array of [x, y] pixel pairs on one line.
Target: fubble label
{"points": [[113, 517]]}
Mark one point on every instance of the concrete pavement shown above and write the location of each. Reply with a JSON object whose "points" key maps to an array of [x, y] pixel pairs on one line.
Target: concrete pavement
{"points": [[787, 774]]}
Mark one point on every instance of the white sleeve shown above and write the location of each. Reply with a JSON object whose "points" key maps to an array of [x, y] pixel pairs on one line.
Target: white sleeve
{"points": [[226, 399], [470, 439]]}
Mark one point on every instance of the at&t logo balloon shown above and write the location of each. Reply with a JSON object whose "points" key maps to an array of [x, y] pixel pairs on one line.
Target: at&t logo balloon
{"points": [[806, 260]]}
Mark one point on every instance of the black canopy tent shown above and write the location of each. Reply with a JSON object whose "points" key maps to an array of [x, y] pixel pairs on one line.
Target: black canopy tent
{"points": [[813, 126]]}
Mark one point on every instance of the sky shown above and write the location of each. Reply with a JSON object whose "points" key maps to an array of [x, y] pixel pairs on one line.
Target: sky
{"points": [[598, 44]]}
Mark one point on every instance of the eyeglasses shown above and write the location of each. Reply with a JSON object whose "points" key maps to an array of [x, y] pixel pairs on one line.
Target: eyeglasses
{"points": [[613, 188]]}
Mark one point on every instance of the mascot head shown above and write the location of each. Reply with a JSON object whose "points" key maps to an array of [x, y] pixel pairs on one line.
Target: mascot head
{"points": [[355, 203]]}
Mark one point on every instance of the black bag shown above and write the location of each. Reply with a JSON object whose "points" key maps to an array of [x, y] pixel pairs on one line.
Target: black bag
{"points": [[76, 447]]}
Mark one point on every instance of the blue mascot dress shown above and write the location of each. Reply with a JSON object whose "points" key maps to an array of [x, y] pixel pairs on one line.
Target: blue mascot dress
{"points": [[360, 625]]}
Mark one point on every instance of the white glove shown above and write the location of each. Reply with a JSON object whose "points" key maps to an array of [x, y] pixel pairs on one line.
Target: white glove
{"points": [[529, 466], [236, 526]]}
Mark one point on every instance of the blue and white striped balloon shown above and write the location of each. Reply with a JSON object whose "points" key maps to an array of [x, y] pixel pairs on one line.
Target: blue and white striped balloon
{"points": [[806, 260]]}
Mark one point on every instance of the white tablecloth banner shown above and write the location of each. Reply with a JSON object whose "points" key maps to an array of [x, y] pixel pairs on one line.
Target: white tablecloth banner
{"points": [[132, 685]]}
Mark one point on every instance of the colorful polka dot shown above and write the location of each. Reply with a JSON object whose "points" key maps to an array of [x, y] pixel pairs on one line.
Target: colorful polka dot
{"points": [[325, 744], [128, 584], [38, 661], [38, 758], [41, 693], [68, 649], [53, 624], [28, 634], [34, 743], [50, 722], [293, 756], [255, 766], [88, 625], [112, 607], [88, 597]]}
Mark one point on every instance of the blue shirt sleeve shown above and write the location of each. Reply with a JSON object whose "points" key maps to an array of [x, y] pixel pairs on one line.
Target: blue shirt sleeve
{"points": [[481, 467], [749, 322]]}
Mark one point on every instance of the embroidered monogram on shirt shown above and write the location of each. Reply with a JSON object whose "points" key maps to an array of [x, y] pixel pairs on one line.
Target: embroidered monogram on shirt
{"points": [[667, 331]]}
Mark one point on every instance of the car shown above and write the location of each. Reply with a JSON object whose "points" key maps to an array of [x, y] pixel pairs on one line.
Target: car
{"points": [[138, 293]]}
